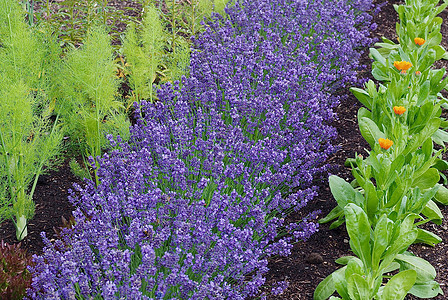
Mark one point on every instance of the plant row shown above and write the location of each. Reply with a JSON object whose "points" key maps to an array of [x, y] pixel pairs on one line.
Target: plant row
{"points": [[194, 202], [396, 187]]}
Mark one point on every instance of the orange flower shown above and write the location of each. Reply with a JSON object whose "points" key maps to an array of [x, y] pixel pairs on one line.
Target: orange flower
{"points": [[402, 65], [385, 143], [419, 41], [399, 110], [418, 73]]}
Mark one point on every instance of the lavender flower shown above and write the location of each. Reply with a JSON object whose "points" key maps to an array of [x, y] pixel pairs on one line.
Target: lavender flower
{"points": [[195, 201]]}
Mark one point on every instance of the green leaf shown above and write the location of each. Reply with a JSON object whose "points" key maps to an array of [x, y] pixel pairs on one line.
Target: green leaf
{"points": [[399, 285], [372, 200], [358, 228], [377, 56], [370, 131], [440, 164], [380, 239], [392, 267], [440, 137], [425, 271], [344, 259], [397, 196], [358, 288], [442, 195], [342, 191], [419, 138], [426, 290], [340, 283], [427, 237], [440, 52], [432, 212], [333, 214], [400, 244], [362, 96], [325, 288], [338, 222], [427, 180]]}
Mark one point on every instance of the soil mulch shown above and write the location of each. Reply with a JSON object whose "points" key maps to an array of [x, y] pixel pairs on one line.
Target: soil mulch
{"points": [[311, 261]]}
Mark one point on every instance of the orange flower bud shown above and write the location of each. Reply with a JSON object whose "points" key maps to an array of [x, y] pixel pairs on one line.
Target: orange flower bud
{"points": [[419, 41], [385, 143], [418, 73], [399, 110], [402, 65]]}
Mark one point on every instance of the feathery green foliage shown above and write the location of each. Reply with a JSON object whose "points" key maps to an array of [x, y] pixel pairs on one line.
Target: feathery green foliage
{"points": [[28, 141], [88, 103], [144, 52], [159, 49]]}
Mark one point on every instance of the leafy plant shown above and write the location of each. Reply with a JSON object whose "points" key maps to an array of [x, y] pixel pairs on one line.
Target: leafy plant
{"points": [[88, 104], [29, 143], [15, 278], [396, 183], [379, 251], [70, 20], [144, 52]]}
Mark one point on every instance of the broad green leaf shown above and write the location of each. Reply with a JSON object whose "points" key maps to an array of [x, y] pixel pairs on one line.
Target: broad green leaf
{"points": [[422, 200], [425, 271], [342, 191], [442, 195], [354, 266], [423, 93], [362, 96], [364, 112], [440, 137], [399, 285], [358, 228], [370, 131], [325, 288], [358, 288], [340, 283], [377, 56], [427, 180], [440, 164], [419, 138], [344, 259], [427, 148], [371, 199], [400, 244], [432, 212], [380, 240], [426, 290], [427, 237], [392, 267], [397, 196], [440, 52]]}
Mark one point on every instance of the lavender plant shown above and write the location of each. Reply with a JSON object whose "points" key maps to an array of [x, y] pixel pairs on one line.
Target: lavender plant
{"points": [[194, 204]]}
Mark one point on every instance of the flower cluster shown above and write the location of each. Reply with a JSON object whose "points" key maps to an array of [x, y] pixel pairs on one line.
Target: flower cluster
{"points": [[192, 206]]}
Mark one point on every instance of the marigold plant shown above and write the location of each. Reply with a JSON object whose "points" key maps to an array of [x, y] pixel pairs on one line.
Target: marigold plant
{"points": [[399, 110], [385, 143], [419, 41], [402, 65]]}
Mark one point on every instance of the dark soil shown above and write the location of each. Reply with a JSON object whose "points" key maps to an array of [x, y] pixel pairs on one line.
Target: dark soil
{"points": [[311, 261]]}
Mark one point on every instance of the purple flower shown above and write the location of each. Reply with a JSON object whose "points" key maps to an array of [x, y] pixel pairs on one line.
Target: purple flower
{"points": [[196, 200]]}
